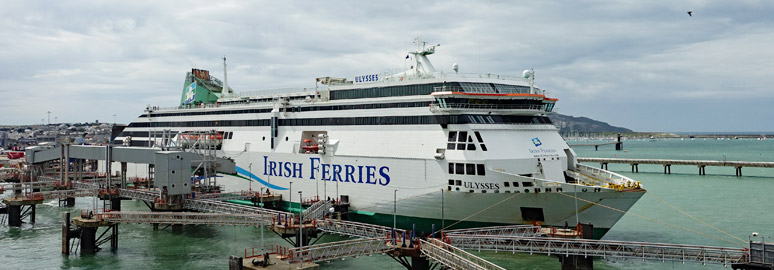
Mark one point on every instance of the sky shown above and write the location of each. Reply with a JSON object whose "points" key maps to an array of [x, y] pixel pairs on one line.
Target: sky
{"points": [[643, 65]]}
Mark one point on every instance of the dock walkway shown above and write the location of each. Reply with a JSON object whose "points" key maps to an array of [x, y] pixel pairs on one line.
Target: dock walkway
{"points": [[667, 163]]}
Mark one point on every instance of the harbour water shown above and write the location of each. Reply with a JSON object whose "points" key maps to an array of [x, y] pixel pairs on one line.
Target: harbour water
{"points": [[735, 205]]}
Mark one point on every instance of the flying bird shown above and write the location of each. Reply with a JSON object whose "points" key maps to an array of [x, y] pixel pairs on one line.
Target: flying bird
{"points": [[690, 13]]}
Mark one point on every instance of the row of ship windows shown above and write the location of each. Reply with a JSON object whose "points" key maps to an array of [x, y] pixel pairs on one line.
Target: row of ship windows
{"points": [[526, 190], [301, 109], [345, 121], [466, 168], [387, 91], [426, 89], [462, 141]]}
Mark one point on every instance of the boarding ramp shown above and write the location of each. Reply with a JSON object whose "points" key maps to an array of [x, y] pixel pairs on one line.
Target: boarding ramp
{"points": [[599, 248], [454, 257], [184, 218], [355, 229], [339, 250], [317, 210], [513, 230], [139, 155]]}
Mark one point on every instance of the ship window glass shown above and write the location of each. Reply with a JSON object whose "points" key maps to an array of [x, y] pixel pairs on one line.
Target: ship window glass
{"points": [[478, 136], [507, 191], [558, 189], [526, 190], [470, 139], [459, 182], [452, 136], [483, 191], [471, 191], [506, 184], [480, 169], [459, 168], [515, 184], [470, 169], [471, 146], [450, 146], [477, 88], [461, 146], [497, 191], [483, 147], [448, 188], [548, 189], [451, 168], [463, 136], [527, 184], [451, 182], [537, 190]]}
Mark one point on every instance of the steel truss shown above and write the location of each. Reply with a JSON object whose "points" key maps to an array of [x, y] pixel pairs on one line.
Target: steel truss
{"points": [[603, 249], [355, 229], [340, 249], [453, 257], [515, 230], [184, 218]]}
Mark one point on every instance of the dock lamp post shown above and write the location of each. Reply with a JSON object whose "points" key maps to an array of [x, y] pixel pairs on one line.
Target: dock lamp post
{"points": [[262, 216], [301, 227], [394, 214], [250, 176]]}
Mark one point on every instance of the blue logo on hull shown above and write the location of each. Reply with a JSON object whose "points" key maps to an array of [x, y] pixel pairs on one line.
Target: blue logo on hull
{"points": [[252, 177]]}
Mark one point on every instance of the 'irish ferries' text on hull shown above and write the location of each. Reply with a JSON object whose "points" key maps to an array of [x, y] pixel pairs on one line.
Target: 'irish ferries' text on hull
{"points": [[483, 142]]}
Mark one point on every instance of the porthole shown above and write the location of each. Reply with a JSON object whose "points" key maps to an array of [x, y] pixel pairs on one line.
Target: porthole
{"points": [[286, 139]]}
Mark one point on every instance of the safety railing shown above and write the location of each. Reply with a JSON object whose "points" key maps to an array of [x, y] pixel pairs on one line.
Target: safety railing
{"points": [[338, 250], [355, 229], [513, 230], [603, 249], [185, 218], [453, 257], [317, 210], [467, 106]]}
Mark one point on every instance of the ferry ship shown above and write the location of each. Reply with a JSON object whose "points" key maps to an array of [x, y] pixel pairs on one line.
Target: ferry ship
{"points": [[441, 147]]}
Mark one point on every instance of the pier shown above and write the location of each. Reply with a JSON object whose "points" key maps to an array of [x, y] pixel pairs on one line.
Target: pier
{"points": [[618, 144], [667, 163], [206, 206]]}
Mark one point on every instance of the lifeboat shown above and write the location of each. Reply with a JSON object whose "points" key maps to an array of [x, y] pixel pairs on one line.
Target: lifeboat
{"points": [[310, 147]]}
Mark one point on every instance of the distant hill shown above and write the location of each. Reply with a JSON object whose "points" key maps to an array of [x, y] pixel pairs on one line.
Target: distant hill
{"points": [[583, 124]]}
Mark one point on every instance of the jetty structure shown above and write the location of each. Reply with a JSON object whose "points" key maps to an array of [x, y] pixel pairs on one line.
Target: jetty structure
{"points": [[63, 177], [667, 163]]}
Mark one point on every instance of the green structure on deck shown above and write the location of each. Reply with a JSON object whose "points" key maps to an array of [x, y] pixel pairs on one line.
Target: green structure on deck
{"points": [[200, 87]]}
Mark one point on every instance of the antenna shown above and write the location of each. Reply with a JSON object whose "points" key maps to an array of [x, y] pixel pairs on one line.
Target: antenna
{"points": [[225, 78]]}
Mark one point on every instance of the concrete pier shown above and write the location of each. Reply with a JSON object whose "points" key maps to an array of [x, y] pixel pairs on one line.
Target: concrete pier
{"points": [[667, 163]]}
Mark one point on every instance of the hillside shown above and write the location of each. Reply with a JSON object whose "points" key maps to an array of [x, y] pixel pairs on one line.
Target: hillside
{"points": [[583, 124]]}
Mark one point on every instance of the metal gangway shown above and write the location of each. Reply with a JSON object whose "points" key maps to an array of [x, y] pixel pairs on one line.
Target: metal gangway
{"points": [[184, 218], [600, 248], [339, 249], [317, 210], [512, 230], [356, 229], [453, 257]]}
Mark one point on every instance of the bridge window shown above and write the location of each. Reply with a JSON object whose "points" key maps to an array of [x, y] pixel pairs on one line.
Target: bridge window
{"points": [[506, 184], [480, 169]]}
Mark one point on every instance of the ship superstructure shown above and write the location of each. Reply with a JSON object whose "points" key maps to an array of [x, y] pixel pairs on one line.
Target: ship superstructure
{"points": [[445, 147]]}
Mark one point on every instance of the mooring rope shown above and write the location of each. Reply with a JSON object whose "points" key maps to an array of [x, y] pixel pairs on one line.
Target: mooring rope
{"points": [[696, 219], [654, 220]]}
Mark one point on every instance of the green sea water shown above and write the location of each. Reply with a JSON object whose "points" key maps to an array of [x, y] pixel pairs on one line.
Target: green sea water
{"points": [[736, 205]]}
